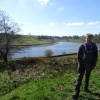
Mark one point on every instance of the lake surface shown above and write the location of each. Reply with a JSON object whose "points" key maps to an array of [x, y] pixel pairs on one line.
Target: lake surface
{"points": [[57, 48]]}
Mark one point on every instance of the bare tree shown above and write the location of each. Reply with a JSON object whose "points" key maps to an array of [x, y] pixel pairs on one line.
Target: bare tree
{"points": [[8, 33]]}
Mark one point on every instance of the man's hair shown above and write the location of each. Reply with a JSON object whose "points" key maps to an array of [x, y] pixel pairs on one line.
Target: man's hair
{"points": [[89, 35]]}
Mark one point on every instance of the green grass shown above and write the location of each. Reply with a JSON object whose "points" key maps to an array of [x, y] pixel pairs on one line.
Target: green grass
{"points": [[30, 40], [42, 89], [57, 88], [47, 79]]}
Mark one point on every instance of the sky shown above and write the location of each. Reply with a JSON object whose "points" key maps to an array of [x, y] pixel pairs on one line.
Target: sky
{"points": [[54, 17]]}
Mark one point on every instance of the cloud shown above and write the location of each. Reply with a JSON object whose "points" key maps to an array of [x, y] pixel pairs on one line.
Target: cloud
{"points": [[43, 2], [83, 23], [52, 24], [93, 23], [60, 9], [75, 24]]}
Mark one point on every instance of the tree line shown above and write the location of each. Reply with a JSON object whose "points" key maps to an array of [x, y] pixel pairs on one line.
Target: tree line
{"points": [[57, 37], [74, 37]]}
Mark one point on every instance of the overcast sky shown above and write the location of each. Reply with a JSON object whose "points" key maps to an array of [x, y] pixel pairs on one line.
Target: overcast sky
{"points": [[54, 17]]}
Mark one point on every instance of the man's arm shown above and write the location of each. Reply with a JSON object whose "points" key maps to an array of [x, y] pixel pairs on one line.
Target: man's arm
{"points": [[95, 56], [79, 54]]}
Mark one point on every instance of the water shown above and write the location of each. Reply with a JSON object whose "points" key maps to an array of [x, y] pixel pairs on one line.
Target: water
{"points": [[58, 49]]}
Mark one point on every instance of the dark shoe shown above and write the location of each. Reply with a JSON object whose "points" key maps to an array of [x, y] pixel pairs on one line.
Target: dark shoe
{"points": [[75, 96], [86, 90]]}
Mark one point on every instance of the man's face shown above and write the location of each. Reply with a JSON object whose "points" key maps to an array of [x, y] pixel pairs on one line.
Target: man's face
{"points": [[88, 39]]}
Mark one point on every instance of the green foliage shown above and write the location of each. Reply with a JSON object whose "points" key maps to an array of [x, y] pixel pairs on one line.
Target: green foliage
{"points": [[97, 38], [45, 79]]}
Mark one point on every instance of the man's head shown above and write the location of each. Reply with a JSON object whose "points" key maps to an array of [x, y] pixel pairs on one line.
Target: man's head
{"points": [[89, 37]]}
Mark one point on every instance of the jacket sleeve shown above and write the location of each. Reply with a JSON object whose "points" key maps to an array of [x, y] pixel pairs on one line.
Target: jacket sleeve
{"points": [[95, 55], [80, 53]]}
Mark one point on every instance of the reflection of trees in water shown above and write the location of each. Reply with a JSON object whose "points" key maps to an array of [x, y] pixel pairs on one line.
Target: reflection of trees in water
{"points": [[20, 49]]}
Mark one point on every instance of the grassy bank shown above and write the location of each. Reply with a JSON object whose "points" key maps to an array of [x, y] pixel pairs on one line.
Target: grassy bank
{"points": [[45, 79], [26, 40], [29, 40]]}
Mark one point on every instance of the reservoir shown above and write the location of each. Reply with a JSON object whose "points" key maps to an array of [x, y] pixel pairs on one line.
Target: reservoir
{"points": [[58, 48]]}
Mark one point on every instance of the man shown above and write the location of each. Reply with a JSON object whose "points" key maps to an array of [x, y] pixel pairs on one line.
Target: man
{"points": [[87, 58]]}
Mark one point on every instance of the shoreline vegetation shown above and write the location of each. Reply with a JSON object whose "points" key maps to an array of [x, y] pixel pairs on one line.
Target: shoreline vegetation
{"points": [[26, 45], [31, 40]]}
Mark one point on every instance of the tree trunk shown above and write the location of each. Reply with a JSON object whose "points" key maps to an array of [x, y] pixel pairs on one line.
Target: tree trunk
{"points": [[5, 58]]}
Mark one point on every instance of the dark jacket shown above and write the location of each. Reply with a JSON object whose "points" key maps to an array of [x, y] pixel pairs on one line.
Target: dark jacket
{"points": [[94, 52]]}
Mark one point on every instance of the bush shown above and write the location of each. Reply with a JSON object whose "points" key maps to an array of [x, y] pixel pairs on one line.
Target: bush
{"points": [[48, 53]]}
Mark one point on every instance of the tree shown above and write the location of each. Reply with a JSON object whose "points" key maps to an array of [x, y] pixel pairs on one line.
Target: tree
{"points": [[8, 33]]}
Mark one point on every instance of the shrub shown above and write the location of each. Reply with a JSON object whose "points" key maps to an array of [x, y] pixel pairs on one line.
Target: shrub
{"points": [[48, 53]]}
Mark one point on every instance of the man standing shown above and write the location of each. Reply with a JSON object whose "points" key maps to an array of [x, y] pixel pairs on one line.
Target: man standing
{"points": [[87, 58]]}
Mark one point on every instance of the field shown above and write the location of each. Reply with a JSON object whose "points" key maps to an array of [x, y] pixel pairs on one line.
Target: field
{"points": [[45, 79], [26, 40]]}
